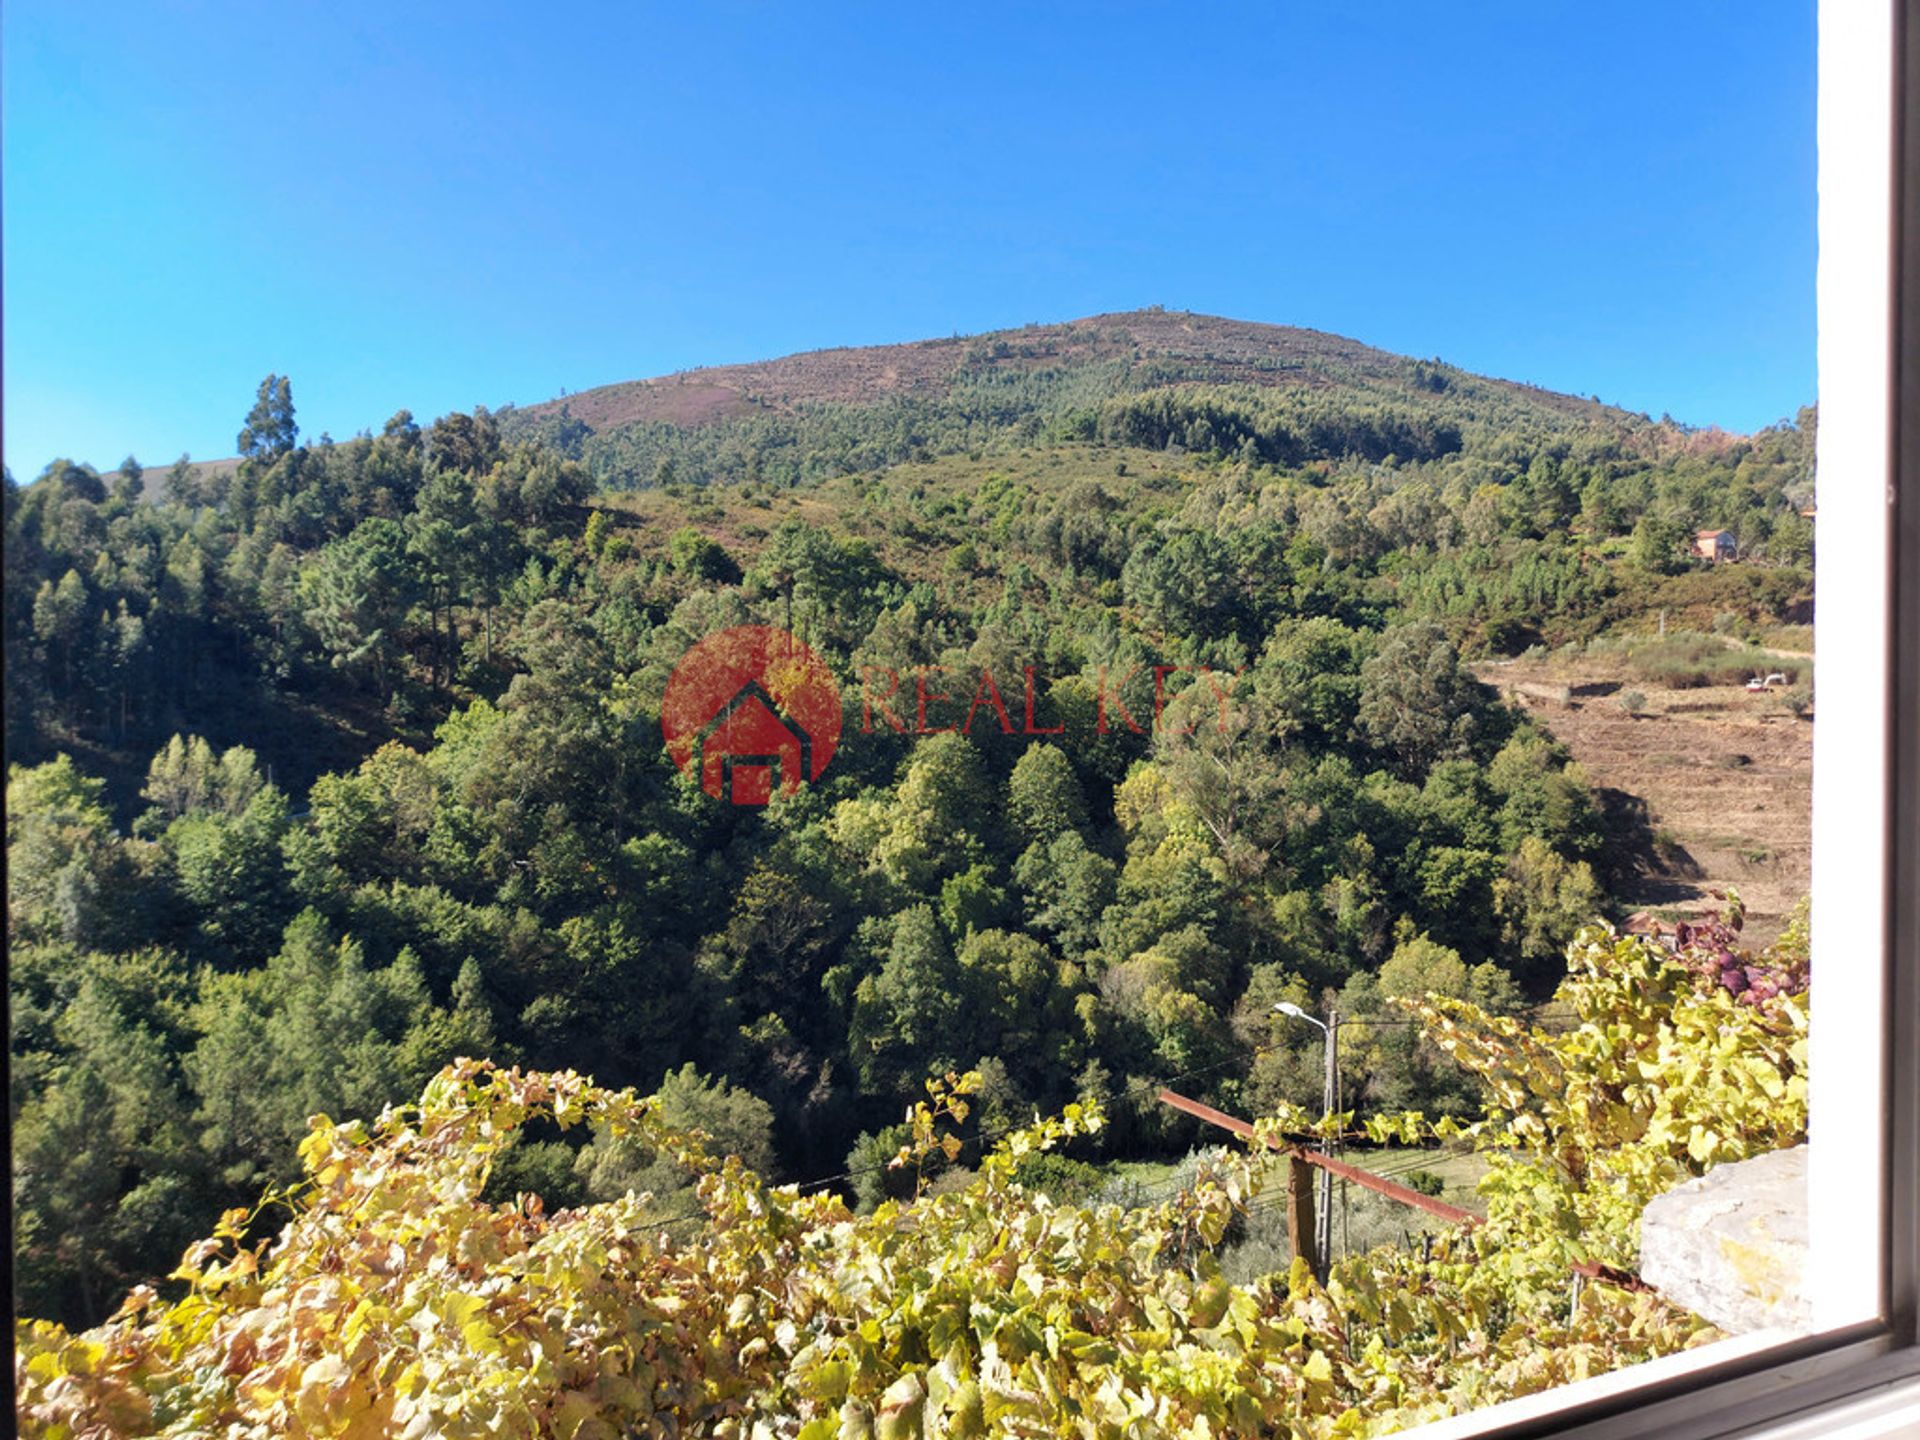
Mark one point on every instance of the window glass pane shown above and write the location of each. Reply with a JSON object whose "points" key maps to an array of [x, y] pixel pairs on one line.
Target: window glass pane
{"points": [[1845, 1190], [1162, 871]]}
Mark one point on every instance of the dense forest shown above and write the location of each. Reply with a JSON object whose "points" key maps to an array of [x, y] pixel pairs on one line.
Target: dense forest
{"points": [[336, 762]]}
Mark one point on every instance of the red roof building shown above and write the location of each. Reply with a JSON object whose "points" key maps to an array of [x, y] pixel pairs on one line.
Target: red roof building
{"points": [[1716, 545]]}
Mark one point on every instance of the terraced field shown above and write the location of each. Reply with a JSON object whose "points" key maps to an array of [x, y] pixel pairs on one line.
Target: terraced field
{"points": [[1706, 788]]}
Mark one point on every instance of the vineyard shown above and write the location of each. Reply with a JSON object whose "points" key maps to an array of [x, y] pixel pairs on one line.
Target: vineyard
{"points": [[394, 1299]]}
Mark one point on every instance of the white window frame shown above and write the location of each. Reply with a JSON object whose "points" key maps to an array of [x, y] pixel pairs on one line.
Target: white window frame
{"points": [[1859, 1376]]}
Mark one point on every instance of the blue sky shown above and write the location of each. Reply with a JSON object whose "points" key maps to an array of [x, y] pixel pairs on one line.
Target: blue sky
{"points": [[434, 207]]}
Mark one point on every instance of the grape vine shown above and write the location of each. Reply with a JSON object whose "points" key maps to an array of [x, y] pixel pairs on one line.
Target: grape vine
{"points": [[396, 1300]]}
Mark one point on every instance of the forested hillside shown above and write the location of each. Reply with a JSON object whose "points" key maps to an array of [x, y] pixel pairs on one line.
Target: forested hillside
{"points": [[341, 761], [1263, 393]]}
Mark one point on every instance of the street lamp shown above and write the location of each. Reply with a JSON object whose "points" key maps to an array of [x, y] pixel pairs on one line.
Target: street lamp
{"points": [[1287, 1007], [1330, 1089]]}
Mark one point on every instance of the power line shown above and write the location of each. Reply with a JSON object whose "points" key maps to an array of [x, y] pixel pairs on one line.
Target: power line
{"points": [[1138, 1087], [1346, 1020], [981, 1137]]}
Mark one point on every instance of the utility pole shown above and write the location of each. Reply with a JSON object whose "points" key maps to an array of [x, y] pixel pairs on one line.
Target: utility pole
{"points": [[1329, 1099], [1323, 1212]]}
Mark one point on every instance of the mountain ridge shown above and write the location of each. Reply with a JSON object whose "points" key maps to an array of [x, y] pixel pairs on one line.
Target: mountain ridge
{"points": [[866, 406], [1240, 351]]}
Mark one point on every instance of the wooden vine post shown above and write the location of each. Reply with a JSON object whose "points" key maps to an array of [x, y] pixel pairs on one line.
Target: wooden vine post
{"points": [[1300, 1228], [1301, 1164]]}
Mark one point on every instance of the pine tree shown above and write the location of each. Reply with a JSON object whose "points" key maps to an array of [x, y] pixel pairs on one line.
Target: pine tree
{"points": [[269, 431]]}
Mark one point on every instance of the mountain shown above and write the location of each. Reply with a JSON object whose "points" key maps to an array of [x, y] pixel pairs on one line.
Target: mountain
{"points": [[846, 409], [1299, 394], [1151, 347]]}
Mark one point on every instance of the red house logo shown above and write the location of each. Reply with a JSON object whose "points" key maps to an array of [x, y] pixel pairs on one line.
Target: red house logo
{"points": [[751, 710]]}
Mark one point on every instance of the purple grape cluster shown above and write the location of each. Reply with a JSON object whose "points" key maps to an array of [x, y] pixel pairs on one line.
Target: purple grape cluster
{"points": [[1713, 951]]}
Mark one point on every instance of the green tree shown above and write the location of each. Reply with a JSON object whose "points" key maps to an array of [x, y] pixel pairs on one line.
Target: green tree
{"points": [[775, 942], [269, 431], [939, 815], [1023, 1004], [826, 586], [358, 595], [1542, 795], [1216, 750], [1542, 901], [1184, 583], [1657, 544], [315, 1031], [1791, 542], [186, 777], [1044, 798], [183, 485], [1418, 703], [912, 1018], [1068, 888], [230, 869], [60, 614], [1309, 674], [464, 1029], [69, 876], [131, 481], [467, 443], [694, 555], [733, 1121], [450, 554]]}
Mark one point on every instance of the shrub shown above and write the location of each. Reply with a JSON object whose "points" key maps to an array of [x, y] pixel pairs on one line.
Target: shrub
{"points": [[1425, 1181], [1691, 662], [1064, 1181]]}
